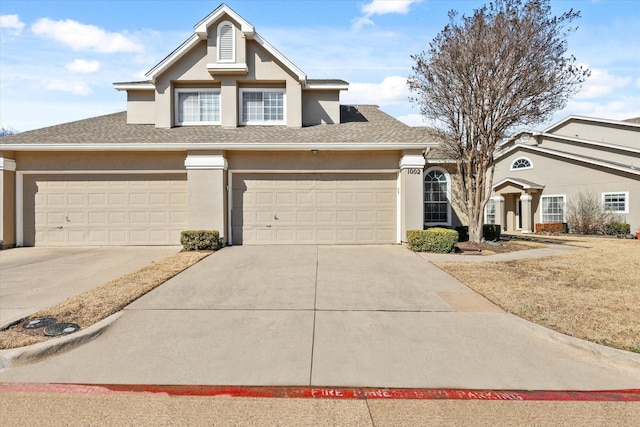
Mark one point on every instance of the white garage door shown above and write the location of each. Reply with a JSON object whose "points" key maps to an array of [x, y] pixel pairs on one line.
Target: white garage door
{"points": [[314, 208], [94, 210]]}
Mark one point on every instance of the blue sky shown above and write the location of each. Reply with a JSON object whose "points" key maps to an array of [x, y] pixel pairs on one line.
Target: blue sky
{"points": [[58, 59]]}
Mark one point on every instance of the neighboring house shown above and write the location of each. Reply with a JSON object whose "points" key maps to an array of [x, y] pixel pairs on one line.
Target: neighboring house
{"points": [[538, 174], [225, 133]]}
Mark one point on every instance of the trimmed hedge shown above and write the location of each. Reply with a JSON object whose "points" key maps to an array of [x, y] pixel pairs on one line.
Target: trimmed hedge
{"points": [[617, 229], [552, 227], [435, 239], [200, 240]]}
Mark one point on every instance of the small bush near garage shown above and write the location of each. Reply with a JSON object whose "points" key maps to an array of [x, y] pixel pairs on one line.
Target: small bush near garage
{"points": [[434, 239], [200, 240]]}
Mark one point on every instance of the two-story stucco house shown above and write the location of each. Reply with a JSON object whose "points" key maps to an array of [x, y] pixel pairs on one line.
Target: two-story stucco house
{"points": [[225, 133], [538, 174]]}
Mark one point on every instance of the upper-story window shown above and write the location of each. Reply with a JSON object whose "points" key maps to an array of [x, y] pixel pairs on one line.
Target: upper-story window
{"points": [[226, 42], [262, 106], [521, 163], [197, 107]]}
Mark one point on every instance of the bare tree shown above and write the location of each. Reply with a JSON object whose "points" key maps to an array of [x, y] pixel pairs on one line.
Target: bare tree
{"points": [[6, 131], [506, 65]]}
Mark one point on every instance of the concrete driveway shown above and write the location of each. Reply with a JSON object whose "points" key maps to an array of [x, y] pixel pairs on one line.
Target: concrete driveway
{"points": [[35, 278], [378, 316]]}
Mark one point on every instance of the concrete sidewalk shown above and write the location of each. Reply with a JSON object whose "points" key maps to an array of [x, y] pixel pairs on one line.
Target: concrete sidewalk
{"points": [[377, 316]]}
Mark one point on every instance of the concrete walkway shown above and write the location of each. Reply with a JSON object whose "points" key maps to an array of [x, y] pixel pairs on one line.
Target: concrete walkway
{"points": [[378, 316]]}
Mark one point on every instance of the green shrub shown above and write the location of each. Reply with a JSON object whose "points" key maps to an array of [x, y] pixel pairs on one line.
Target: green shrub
{"points": [[197, 240], [491, 231], [617, 229], [434, 239], [463, 233]]}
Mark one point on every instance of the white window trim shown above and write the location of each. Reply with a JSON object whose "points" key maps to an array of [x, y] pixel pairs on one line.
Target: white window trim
{"points": [[190, 90], [564, 208], [521, 169], [233, 42], [494, 200], [263, 123], [448, 177], [626, 200]]}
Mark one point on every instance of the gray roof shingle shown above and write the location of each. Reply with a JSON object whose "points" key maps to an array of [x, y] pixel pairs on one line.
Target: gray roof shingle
{"points": [[360, 124]]}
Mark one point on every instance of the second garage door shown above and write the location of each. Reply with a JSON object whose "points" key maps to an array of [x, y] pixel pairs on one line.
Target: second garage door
{"points": [[314, 208]]}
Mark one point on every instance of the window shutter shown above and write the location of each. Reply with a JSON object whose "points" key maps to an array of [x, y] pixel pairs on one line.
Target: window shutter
{"points": [[225, 47]]}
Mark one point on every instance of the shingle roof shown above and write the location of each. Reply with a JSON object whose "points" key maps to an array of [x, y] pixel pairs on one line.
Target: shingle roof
{"points": [[360, 124]]}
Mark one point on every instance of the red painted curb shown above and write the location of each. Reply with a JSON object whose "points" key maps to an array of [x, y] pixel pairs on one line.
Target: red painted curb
{"points": [[628, 395]]}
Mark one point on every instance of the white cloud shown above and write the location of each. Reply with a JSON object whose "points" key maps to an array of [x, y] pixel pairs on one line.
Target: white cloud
{"points": [[381, 7], [392, 90], [81, 37], [73, 87], [413, 120], [11, 23], [83, 66], [602, 83]]}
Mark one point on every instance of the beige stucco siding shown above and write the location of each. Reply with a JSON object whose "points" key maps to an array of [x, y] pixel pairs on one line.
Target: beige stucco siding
{"points": [[7, 208], [191, 71], [306, 160], [99, 161], [141, 107], [320, 107], [564, 177], [600, 132], [593, 151]]}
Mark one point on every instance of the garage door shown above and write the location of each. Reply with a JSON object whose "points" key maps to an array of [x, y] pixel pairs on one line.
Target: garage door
{"points": [[94, 210], [314, 208]]}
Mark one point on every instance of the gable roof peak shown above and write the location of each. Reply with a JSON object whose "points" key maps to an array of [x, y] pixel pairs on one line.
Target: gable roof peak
{"points": [[202, 26], [201, 33]]}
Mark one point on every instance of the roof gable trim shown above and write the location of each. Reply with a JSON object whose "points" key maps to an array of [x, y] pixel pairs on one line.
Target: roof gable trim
{"points": [[201, 34], [631, 169], [525, 185], [593, 120]]}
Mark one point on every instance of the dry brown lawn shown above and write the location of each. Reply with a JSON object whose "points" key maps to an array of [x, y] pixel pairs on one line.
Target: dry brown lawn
{"points": [[592, 293], [99, 303]]}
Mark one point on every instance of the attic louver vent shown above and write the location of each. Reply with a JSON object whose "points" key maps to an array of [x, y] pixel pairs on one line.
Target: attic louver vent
{"points": [[225, 40]]}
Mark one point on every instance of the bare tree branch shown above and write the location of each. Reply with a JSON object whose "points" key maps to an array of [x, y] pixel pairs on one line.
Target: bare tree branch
{"points": [[504, 66]]}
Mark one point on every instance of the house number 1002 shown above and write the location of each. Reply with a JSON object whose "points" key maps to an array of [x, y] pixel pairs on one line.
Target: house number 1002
{"points": [[414, 171]]}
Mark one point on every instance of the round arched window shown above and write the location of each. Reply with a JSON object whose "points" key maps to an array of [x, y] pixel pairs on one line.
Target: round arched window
{"points": [[521, 163], [436, 197]]}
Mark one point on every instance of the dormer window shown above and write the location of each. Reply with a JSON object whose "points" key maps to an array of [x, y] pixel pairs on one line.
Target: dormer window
{"points": [[226, 42], [521, 163], [262, 106], [197, 107]]}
